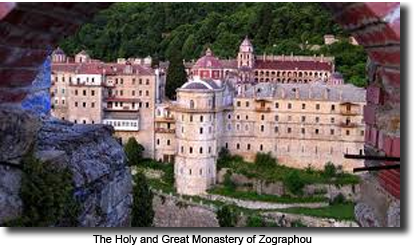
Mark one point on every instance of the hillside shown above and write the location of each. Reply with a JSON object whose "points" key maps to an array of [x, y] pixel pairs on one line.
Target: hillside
{"points": [[162, 29]]}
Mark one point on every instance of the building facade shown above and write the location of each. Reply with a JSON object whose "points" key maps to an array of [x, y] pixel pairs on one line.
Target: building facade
{"points": [[296, 108]]}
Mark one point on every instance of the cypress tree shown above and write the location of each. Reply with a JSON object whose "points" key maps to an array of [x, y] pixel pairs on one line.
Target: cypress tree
{"points": [[176, 75], [142, 211]]}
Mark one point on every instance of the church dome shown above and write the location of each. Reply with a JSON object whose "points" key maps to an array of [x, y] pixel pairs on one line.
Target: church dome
{"points": [[208, 61]]}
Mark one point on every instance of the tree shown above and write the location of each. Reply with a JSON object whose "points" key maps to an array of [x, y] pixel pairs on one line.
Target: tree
{"points": [[133, 151], [176, 75], [142, 211], [228, 182], [293, 182], [226, 217]]}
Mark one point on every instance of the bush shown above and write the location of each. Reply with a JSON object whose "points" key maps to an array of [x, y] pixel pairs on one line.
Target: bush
{"points": [[142, 211], [265, 161], [47, 193], [293, 182], [133, 151], [228, 183], [255, 221], [339, 199], [226, 217], [330, 170]]}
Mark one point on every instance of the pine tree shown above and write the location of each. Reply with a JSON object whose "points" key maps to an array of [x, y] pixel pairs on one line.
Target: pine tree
{"points": [[142, 211], [133, 151], [176, 75]]}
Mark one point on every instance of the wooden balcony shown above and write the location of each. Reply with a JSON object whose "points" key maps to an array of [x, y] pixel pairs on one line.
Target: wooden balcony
{"points": [[164, 130], [263, 109]]}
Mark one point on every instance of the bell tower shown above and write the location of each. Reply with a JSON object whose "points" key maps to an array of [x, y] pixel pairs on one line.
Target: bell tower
{"points": [[245, 57]]}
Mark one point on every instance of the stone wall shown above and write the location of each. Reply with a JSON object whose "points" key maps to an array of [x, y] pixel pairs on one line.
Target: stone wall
{"points": [[170, 211], [97, 161], [350, 192]]}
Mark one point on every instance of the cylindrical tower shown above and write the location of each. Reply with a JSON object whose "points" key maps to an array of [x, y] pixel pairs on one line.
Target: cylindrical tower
{"points": [[196, 113]]}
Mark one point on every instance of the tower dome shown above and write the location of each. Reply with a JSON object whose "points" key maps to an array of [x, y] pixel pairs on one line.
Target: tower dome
{"points": [[208, 61], [246, 45]]}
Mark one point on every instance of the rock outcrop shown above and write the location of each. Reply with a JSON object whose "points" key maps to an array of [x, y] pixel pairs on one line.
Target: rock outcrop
{"points": [[97, 161]]}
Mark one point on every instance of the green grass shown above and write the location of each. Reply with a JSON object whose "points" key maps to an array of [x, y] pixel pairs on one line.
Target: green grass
{"points": [[339, 211], [271, 171], [265, 197]]}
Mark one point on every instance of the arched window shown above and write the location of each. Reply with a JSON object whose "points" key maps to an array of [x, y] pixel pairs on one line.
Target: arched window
{"points": [[192, 104]]}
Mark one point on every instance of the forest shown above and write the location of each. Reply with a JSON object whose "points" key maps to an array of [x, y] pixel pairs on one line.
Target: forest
{"points": [[163, 30]]}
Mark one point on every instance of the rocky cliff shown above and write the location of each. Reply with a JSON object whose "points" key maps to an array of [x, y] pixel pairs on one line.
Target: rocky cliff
{"points": [[101, 178]]}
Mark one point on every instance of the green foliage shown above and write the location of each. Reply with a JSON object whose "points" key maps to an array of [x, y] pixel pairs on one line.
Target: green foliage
{"points": [[142, 211], [294, 182], [226, 217], [255, 221], [228, 183], [339, 211], [176, 75], [167, 182], [330, 170], [264, 161], [271, 171], [47, 193], [297, 223], [133, 151], [265, 197], [339, 199]]}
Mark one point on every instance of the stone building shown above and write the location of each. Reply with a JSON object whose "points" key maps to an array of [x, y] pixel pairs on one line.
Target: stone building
{"points": [[225, 104], [252, 68], [122, 94]]}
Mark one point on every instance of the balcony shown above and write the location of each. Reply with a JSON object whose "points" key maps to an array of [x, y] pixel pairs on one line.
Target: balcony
{"points": [[164, 130], [165, 119], [349, 112], [263, 109]]}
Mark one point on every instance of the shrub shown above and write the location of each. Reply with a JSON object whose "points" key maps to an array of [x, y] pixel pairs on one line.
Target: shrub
{"points": [[133, 151], [226, 217], [228, 183], [255, 221], [265, 161], [293, 182], [47, 193], [339, 199], [330, 170], [142, 211]]}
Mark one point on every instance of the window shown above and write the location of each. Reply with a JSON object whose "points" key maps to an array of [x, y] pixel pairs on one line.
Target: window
{"points": [[191, 118], [226, 145], [347, 132], [84, 104], [289, 106], [276, 129], [209, 149], [201, 119], [63, 91], [134, 81], [317, 120], [121, 81], [191, 150], [121, 92], [201, 150], [332, 131], [261, 147], [303, 106], [147, 81], [76, 104], [316, 131], [92, 105], [147, 93], [276, 105], [289, 130], [247, 104], [238, 103], [92, 93], [140, 81], [84, 92], [262, 128], [248, 146], [303, 118], [362, 132], [75, 121], [201, 130], [303, 130], [289, 118], [140, 93], [84, 121], [63, 101], [332, 107], [238, 146], [238, 117], [318, 106], [133, 93], [190, 171], [332, 120], [168, 142], [191, 104], [182, 149], [262, 117], [158, 142], [276, 118], [147, 104]]}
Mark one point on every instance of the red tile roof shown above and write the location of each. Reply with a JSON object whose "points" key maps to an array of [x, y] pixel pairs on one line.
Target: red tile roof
{"points": [[292, 65], [97, 67]]}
